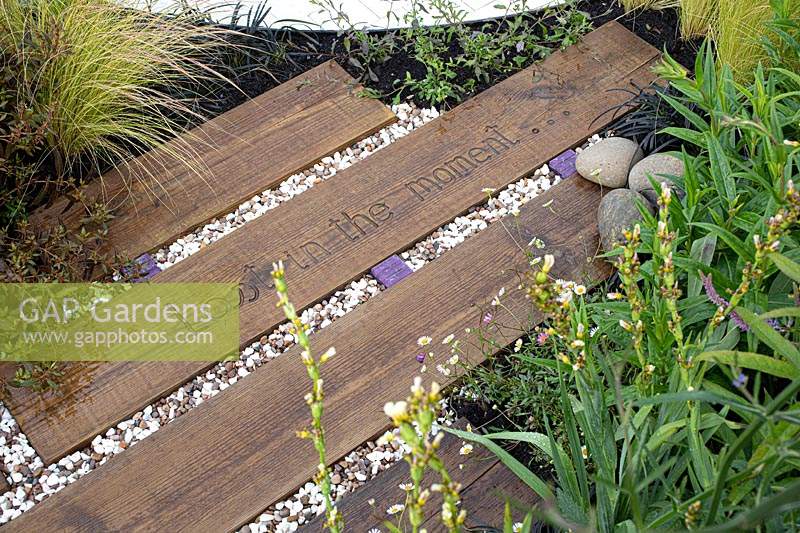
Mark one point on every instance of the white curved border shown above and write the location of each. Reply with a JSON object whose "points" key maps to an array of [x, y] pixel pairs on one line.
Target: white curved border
{"points": [[362, 14]]}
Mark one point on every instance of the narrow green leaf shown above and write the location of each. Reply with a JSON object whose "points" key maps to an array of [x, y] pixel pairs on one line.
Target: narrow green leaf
{"points": [[391, 527], [694, 396], [687, 135], [769, 336], [782, 312], [700, 456], [521, 471], [539, 440], [730, 239], [702, 252], [786, 265], [508, 520], [752, 361], [690, 115], [720, 169]]}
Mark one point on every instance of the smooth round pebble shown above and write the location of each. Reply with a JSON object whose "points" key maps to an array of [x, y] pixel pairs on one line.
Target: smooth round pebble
{"points": [[618, 212], [659, 166], [608, 161]]}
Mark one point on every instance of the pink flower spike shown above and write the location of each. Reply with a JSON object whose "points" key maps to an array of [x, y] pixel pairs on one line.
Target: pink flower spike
{"points": [[487, 318], [719, 301]]}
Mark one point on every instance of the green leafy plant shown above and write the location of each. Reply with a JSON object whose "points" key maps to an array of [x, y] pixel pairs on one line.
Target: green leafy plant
{"points": [[638, 408], [455, 57], [679, 389]]}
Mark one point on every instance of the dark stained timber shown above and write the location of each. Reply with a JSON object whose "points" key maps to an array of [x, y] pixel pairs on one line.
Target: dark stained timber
{"points": [[380, 206], [224, 462], [240, 153]]}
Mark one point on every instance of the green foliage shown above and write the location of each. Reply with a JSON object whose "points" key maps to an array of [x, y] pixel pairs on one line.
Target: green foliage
{"points": [[414, 419], [522, 385], [630, 5], [697, 17], [736, 27], [679, 408], [39, 377], [454, 57], [88, 83]]}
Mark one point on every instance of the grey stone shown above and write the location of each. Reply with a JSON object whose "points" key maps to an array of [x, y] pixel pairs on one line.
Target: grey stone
{"points": [[616, 213], [655, 165], [608, 161]]}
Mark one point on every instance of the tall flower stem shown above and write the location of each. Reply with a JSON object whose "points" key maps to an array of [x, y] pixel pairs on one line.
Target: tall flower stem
{"points": [[334, 521]]}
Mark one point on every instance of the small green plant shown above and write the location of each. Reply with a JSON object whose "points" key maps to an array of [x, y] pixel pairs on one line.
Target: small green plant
{"points": [[334, 520], [414, 419], [455, 57], [522, 385], [39, 377]]}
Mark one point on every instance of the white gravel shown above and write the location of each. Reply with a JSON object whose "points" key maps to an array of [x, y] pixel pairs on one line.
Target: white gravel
{"points": [[31, 482], [409, 118]]}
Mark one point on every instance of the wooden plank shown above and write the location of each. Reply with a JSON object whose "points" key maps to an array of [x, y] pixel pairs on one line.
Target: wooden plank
{"points": [[241, 153], [485, 500], [539, 112], [366, 508], [222, 463]]}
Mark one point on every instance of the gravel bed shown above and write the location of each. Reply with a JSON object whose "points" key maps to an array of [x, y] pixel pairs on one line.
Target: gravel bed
{"points": [[31, 481], [409, 118]]}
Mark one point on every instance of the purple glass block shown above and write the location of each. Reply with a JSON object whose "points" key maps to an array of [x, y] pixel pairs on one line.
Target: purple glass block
{"points": [[564, 164], [391, 270], [146, 267]]}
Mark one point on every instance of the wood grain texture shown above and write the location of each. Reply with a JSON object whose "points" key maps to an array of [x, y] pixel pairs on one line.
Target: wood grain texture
{"points": [[221, 464], [365, 508], [518, 124], [240, 153], [485, 499]]}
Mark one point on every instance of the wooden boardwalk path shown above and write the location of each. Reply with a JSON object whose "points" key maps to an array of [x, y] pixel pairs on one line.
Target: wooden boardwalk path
{"points": [[242, 152], [485, 482], [378, 207], [222, 463]]}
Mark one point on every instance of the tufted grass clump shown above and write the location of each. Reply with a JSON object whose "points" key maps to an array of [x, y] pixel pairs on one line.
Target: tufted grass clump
{"points": [[101, 76], [741, 28], [631, 5], [697, 16]]}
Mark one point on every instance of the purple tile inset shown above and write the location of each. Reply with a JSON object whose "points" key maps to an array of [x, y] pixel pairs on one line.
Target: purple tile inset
{"points": [[145, 266], [391, 270], [564, 164]]}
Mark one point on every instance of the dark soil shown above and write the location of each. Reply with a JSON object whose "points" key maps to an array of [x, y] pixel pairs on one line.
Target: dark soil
{"points": [[659, 28], [309, 49], [482, 417]]}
